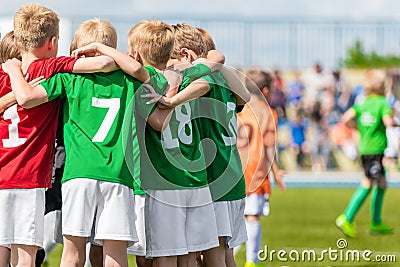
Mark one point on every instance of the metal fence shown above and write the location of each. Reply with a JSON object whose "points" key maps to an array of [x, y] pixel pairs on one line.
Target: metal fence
{"points": [[285, 43]]}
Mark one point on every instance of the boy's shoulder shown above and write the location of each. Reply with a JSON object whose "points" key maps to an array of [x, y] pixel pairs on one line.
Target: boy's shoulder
{"points": [[5, 84], [49, 66]]}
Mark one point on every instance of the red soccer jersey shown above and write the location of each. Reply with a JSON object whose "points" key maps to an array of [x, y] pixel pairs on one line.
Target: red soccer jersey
{"points": [[27, 135]]}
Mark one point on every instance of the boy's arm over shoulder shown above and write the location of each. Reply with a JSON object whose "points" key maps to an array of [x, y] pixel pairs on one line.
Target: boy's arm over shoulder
{"points": [[195, 90], [157, 118], [124, 61], [94, 64], [201, 66], [9, 99], [215, 60], [25, 95], [236, 82]]}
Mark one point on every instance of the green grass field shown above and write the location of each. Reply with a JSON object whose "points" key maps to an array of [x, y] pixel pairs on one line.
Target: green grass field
{"points": [[302, 219]]}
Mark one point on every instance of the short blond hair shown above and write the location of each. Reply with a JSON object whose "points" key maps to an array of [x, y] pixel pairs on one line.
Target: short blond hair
{"points": [[33, 25], [153, 39], [374, 82], [94, 30], [8, 50], [188, 37], [207, 39]]}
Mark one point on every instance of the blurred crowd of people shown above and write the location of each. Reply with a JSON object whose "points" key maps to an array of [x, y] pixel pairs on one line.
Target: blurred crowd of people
{"points": [[309, 105]]}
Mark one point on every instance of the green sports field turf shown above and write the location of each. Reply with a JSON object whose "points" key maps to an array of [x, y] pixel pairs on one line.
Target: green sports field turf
{"points": [[302, 221]]}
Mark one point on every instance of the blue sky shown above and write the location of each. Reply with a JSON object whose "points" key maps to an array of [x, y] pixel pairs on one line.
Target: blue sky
{"points": [[354, 9]]}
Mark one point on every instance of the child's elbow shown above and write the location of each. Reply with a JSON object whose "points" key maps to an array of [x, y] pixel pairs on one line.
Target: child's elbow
{"points": [[216, 56], [108, 65], [23, 100], [221, 58], [29, 101]]}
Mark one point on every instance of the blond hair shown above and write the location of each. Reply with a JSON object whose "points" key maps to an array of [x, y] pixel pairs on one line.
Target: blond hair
{"points": [[374, 82], [153, 39], [94, 30], [8, 50], [207, 39], [188, 37], [33, 25]]}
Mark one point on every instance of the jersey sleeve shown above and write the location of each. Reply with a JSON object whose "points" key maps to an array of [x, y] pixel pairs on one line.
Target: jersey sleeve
{"points": [[386, 110], [194, 73], [55, 86], [158, 82], [58, 64]]}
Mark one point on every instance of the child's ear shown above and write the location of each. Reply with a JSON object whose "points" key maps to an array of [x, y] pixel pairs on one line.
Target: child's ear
{"points": [[53, 43], [185, 53], [137, 56]]}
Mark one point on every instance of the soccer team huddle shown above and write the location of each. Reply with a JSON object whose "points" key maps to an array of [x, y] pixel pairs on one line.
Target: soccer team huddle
{"points": [[156, 164]]}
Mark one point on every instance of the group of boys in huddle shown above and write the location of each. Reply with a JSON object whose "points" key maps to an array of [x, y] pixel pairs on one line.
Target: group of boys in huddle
{"points": [[141, 175]]}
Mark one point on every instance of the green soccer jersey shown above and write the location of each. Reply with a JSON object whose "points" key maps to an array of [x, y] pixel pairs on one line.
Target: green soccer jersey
{"points": [[133, 153], [171, 159], [218, 122], [369, 115], [95, 106]]}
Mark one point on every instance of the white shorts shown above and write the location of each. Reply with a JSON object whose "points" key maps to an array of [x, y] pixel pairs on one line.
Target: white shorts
{"points": [[238, 223], [222, 218], [139, 248], [109, 206], [173, 230], [52, 227], [257, 205], [22, 216]]}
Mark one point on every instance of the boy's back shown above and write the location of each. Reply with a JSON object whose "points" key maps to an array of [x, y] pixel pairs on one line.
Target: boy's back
{"points": [[176, 153], [218, 120], [27, 135], [95, 136], [256, 128]]}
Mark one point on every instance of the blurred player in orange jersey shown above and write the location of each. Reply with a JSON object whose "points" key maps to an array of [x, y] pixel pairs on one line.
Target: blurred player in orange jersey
{"points": [[256, 142]]}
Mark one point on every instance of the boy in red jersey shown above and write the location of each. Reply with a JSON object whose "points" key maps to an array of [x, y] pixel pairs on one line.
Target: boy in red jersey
{"points": [[27, 136], [8, 51]]}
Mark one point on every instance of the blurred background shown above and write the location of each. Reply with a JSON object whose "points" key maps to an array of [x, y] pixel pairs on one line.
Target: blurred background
{"points": [[272, 34], [317, 51]]}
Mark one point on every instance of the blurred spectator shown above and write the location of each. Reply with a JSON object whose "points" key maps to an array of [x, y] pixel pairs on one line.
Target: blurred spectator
{"points": [[277, 95], [344, 98], [316, 83], [295, 90], [319, 141], [298, 133], [343, 136]]}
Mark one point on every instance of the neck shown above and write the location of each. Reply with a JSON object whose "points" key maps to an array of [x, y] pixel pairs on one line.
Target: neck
{"points": [[29, 57], [180, 64], [157, 67]]}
